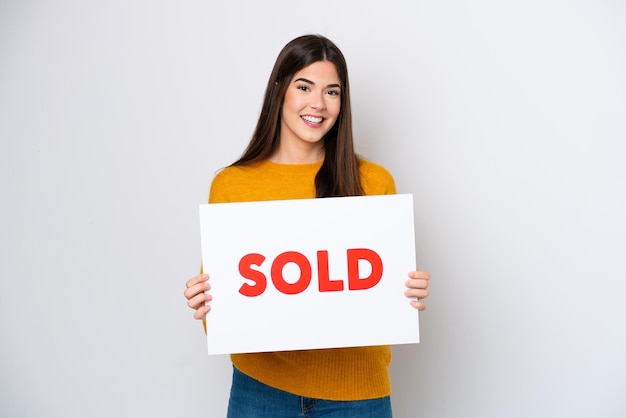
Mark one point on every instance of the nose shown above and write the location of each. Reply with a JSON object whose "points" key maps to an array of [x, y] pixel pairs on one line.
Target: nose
{"points": [[317, 102]]}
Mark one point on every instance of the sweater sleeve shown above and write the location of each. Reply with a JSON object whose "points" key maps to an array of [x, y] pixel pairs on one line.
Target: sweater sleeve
{"points": [[219, 188], [375, 179]]}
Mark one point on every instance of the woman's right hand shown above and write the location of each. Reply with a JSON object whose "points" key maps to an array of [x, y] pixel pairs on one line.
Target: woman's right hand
{"points": [[196, 296]]}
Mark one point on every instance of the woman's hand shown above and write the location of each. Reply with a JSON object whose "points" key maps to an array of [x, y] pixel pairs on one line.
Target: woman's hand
{"points": [[417, 287], [196, 296]]}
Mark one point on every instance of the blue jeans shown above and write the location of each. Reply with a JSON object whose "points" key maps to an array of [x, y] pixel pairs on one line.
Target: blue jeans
{"points": [[250, 398]]}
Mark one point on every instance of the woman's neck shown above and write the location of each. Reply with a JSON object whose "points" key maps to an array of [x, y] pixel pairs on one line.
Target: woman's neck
{"points": [[298, 155]]}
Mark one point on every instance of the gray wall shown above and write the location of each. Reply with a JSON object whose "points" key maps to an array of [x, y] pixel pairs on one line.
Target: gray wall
{"points": [[504, 119]]}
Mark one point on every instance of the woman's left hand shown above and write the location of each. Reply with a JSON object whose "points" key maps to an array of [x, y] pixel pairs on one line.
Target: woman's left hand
{"points": [[417, 288]]}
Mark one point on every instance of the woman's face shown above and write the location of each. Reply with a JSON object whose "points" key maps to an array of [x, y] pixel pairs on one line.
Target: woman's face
{"points": [[311, 106]]}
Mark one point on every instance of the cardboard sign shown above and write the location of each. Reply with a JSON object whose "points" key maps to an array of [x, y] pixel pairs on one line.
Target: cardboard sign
{"points": [[308, 274]]}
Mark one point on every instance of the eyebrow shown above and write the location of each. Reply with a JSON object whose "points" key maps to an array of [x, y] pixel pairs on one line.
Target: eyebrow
{"points": [[304, 80]]}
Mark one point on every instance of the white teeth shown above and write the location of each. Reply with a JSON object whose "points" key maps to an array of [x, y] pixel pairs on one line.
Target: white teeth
{"points": [[312, 119]]}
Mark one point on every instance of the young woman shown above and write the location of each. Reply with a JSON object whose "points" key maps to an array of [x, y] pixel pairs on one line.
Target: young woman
{"points": [[303, 148]]}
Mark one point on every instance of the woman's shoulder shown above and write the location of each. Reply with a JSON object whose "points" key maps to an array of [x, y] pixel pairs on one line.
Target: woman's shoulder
{"points": [[228, 181], [234, 173], [228, 172], [375, 179], [371, 167]]}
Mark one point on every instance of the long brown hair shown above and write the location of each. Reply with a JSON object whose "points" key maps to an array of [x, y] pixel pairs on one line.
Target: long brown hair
{"points": [[339, 174]]}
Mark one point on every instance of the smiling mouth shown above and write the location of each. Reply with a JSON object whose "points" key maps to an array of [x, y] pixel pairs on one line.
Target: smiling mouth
{"points": [[312, 119]]}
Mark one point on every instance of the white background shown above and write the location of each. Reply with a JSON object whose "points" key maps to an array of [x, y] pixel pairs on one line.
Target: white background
{"points": [[504, 119]]}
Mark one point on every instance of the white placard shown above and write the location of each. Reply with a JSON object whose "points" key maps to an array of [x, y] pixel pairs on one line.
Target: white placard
{"points": [[363, 245]]}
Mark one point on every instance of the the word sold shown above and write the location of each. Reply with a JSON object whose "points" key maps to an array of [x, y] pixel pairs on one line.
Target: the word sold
{"points": [[325, 284]]}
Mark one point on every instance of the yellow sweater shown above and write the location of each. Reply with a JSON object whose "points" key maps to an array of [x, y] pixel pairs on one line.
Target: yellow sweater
{"points": [[334, 374]]}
